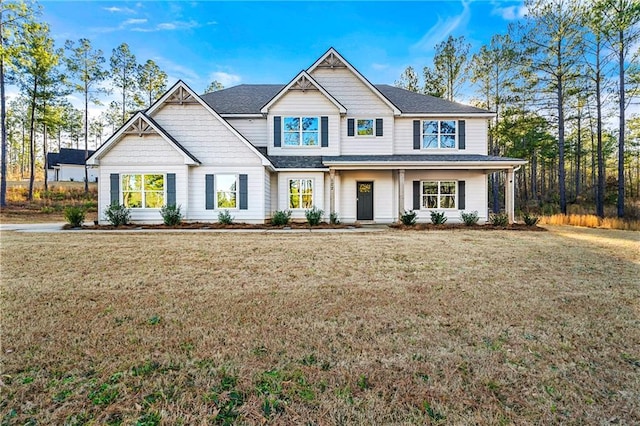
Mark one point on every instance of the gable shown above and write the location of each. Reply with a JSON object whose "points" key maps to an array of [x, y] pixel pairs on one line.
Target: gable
{"points": [[304, 83], [147, 149]]}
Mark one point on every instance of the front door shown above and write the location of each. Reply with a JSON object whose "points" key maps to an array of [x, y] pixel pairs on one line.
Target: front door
{"points": [[365, 201]]}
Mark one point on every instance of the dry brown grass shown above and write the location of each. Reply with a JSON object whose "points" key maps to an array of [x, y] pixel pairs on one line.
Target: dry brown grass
{"points": [[395, 327], [591, 221]]}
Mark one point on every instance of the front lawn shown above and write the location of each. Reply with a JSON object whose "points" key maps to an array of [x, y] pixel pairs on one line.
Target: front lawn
{"points": [[396, 327]]}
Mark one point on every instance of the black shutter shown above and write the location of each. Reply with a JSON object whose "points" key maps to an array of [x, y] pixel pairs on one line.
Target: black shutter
{"points": [[277, 131], [115, 188], [416, 195], [378, 126], [171, 189], [416, 134], [461, 134], [209, 191], [351, 127], [324, 131], [244, 193], [461, 195]]}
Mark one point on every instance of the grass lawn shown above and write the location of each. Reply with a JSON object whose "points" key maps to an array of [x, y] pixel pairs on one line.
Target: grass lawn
{"points": [[436, 327]]}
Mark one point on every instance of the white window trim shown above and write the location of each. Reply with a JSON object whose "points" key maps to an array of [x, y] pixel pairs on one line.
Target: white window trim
{"points": [[439, 120], [216, 181], [164, 190], [313, 190], [438, 195], [300, 131], [373, 128]]}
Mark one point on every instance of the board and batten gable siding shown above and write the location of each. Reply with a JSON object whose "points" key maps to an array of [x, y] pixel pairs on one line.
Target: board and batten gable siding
{"points": [[475, 192], [254, 129], [310, 103], [255, 211], [475, 136], [318, 192], [204, 136], [384, 195]]}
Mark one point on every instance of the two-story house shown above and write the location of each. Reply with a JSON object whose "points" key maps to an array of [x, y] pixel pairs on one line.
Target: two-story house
{"points": [[329, 138]]}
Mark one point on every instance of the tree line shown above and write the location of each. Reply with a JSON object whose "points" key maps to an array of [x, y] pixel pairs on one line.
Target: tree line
{"points": [[560, 81]]}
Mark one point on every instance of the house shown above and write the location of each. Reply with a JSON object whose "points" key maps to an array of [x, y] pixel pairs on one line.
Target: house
{"points": [[68, 165], [329, 138]]}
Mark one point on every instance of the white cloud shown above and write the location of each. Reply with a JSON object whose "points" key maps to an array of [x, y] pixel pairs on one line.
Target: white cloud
{"points": [[442, 29], [509, 13], [115, 9], [170, 26], [134, 22], [379, 67], [226, 79]]}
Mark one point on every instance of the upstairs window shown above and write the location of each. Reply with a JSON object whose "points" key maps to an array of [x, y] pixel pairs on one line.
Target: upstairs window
{"points": [[439, 134], [143, 191], [364, 127], [301, 131]]}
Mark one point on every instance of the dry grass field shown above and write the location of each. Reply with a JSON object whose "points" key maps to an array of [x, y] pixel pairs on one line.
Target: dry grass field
{"points": [[432, 327]]}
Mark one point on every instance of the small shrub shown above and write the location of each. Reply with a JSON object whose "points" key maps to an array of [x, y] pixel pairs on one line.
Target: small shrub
{"points": [[117, 214], [74, 215], [409, 217], [281, 217], [314, 216], [171, 215], [334, 219], [438, 218], [530, 220], [499, 219], [225, 218], [470, 219]]}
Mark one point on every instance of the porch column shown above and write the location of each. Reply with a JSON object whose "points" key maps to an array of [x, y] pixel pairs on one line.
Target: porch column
{"points": [[332, 191], [509, 200], [400, 192]]}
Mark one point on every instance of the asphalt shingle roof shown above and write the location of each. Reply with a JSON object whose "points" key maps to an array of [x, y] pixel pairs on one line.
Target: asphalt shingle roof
{"points": [[67, 156], [250, 98], [419, 157]]}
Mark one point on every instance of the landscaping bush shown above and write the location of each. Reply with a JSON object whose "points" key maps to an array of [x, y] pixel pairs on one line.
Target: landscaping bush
{"points": [[117, 214], [171, 215], [499, 219], [74, 215], [438, 218], [530, 220], [409, 217], [470, 219], [334, 219], [314, 216], [225, 218], [281, 217]]}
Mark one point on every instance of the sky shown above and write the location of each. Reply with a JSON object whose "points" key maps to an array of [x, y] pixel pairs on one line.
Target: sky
{"points": [[270, 42]]}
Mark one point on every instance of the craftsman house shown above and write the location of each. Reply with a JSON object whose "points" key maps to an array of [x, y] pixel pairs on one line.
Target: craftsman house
{"points": [[329, 138]]}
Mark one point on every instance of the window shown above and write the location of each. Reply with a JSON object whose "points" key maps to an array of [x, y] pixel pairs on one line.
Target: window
{"points": [[301, 131], [143, 191], [300, 193], [438, 134], [226, 191], [438, 195], [365, 127]]}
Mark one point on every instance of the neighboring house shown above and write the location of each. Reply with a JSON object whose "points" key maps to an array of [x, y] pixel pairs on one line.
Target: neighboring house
{"points": [[68, 165], [329, 138]]}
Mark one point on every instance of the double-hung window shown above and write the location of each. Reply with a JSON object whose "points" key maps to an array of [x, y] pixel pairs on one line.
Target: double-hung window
{"points": [[438, 194], [226, 191], [143, 191], [301, 131], [439, 134], [300, 193], [365, 127]]}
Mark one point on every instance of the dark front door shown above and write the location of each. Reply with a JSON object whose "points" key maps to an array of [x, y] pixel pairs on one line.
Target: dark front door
{"points": [[365, 200]]}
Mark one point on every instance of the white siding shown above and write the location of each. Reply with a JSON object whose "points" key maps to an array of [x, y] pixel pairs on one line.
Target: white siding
{"points": [[384, 195], [318, 192], [367, 145], [254, 129], [475, 139], [267, 194], [71, 172], [148, 149], [475, 192], [311, 103]]}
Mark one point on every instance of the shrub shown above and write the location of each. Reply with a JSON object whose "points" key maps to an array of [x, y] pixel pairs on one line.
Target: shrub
{"points": [[74, 215], [409, 217], [117, 214], [470, 219], [314, 216], [438, 218], [334, 219], [171, 215], [225, 218], [281, 217], [499, 219], [530, 220]]}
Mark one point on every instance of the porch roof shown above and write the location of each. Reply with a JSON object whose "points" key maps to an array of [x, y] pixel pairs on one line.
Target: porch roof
{"points": [[422, 161]]}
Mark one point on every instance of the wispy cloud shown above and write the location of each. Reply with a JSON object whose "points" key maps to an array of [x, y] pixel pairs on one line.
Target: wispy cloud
{"points": [[442, 29], [379, 67], [171, 26], [226, 79], [509, 13], [134, 22], [116, 9]]}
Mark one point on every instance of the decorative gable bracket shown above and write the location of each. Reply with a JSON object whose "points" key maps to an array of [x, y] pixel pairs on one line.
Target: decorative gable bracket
{"points": [[181, 97], [303, 84], [332, 61], [140, 127]]}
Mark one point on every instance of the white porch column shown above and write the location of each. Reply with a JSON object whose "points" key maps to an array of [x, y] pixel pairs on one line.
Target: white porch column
{"points": [[400, 193], [332, 191], [509, 199]]}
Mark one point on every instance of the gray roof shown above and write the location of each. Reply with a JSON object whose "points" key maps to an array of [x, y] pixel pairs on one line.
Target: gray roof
{"points": [[250, 98], [420, 157], [67, 156]]}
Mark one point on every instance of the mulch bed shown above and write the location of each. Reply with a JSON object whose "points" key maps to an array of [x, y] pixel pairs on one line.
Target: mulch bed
{"points": [[462, 226]]}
